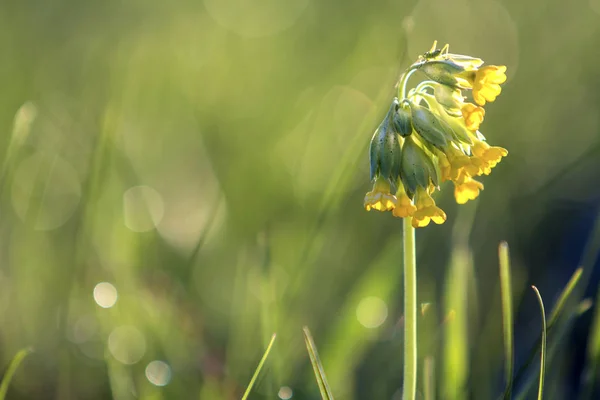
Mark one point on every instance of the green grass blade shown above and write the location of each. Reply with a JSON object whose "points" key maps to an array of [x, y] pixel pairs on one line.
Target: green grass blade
{"points": [[260, 365], [543, 345], [12, 368], [455, 366], [562, 299], [590, 374], [507, 315], [317, 366], [554, 316], [428, 378]]}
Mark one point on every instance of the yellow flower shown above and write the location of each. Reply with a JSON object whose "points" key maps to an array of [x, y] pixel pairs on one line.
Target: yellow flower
{"points": [[404, 206], [457, 161], [380, 198], [426, 210], [473, 116], [467, 190], [476, 167], [445, 167], [486, 83], [489, 155]]}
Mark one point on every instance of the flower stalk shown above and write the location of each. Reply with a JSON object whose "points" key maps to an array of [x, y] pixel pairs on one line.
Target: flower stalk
{"points": [[431, 135]]}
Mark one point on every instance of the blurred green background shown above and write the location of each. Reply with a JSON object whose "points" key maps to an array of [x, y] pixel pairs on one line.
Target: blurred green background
{"points": [[185, 178]]}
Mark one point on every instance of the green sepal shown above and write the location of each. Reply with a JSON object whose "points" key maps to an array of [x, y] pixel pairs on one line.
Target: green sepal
{"points": [[467, 62], [402, 122], [384, 151], [433, 166], [449, 98], [416, 167], [461, 133], [428, 126], [442, 71], [390, 153], [374, 151]]}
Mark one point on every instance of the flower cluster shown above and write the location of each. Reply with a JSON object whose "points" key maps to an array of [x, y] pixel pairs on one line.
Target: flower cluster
{"points": [[431, 135]]}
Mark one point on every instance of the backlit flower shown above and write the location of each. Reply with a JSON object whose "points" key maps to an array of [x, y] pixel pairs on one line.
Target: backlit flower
{"points": [[472, 115], [380, 198], [467, 190], [404, 206], [431, 135], [486, 84], [489, 155], [426, 211]]}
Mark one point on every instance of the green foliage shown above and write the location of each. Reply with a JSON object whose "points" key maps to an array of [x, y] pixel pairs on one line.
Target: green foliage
{"points": [[507, 317], [259, 367], [324, 388], [543, 345], [12, 368]]}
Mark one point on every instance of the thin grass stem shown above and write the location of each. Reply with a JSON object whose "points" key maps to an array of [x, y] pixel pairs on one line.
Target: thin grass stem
{"points": [[507, 316], [543, 345], [260, 365]]}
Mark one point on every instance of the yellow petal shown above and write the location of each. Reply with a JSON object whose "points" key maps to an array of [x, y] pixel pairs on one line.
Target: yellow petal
{"points": [[473, 116], [420, 223], [380, 198], [469, 190]]}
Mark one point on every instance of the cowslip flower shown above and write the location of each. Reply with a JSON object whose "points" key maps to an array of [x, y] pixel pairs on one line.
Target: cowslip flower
{"points": [[380, 198], [472, 115], [427, 210], [466, 188], [404, 206], [486, 84], [431, 135]]}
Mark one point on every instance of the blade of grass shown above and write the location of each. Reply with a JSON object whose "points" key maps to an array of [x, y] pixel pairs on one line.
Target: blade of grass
{"points": [[324, 388], [507, 315], [562, 299], [554, 315], [543, 346], [590, 373], [260, 365], [12, 368], [557, 341], [22, 123], [455, 368], [428, 378]]}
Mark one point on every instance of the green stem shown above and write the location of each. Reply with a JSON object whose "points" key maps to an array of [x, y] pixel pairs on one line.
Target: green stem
{"points": [[404, 81], [410, 311], [410, 286]]}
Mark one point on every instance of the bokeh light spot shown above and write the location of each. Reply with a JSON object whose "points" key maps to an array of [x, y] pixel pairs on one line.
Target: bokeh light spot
{"points": [[105, 295], [371, 312], [285, 393], [127, 344], [158, 373], [143, 208]]}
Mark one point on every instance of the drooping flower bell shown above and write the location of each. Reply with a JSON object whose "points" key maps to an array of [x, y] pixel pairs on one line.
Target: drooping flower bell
{"points": [[431, 135]]}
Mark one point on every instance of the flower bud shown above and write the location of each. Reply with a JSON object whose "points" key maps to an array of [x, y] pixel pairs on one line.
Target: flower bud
{"points": [[402, 122], [428, 126], [450, 98], [385, 150], [416, 168], [455, 130], [442, 71]]}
